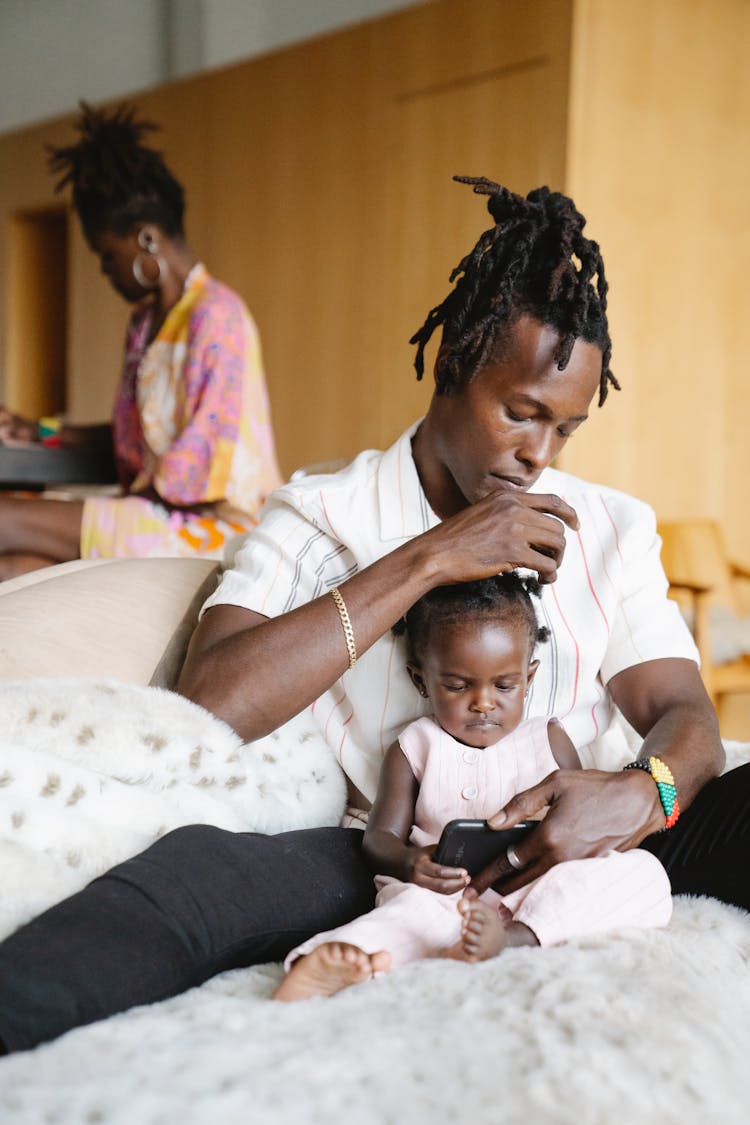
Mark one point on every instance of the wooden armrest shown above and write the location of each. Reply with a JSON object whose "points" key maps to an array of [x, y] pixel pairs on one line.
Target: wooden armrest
{"points": [[691, 587], [739, 570]]}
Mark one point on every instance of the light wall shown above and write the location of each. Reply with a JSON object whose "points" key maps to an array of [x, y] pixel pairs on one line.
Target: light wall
{"points": [[53, 52], [659, 161]]}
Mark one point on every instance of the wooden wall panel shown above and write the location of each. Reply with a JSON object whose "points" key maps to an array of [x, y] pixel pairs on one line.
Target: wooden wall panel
{"points": [[659, 161], [37, 251], [474, 127], [318, 183]]}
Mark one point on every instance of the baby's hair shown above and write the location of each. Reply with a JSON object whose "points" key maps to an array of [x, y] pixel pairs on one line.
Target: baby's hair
{"points": [[507, 596], [534, 260], [116, 179]]}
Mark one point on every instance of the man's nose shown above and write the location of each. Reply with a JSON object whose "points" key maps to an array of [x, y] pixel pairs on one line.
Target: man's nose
{"points": [[539, 447]]}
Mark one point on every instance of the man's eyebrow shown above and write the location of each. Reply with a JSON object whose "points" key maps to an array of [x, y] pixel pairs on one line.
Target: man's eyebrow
{"points": [[542, 408]]}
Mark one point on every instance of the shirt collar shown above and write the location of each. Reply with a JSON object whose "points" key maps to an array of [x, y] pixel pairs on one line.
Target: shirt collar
{"points": [[404, 511], [544, 482]]}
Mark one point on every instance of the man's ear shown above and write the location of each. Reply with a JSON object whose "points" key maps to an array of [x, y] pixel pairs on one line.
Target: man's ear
{"points": [[415, 673], [442, 352]]}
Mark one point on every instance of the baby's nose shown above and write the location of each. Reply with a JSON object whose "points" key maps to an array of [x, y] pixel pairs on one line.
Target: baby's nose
{"points": [[483, 701]]}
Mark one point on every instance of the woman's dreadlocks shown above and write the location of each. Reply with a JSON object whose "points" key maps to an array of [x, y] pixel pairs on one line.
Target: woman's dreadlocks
{"points": [[116, 179]]}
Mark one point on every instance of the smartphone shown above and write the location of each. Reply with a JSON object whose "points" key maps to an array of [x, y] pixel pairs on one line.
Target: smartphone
{"points": [[472, 844]]}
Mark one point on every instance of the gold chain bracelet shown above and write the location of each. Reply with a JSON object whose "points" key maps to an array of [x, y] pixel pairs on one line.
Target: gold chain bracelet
{"points": [[346, 625]]}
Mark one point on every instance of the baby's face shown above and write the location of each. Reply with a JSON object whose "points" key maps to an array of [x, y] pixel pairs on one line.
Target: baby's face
{"points": [[476, 677]]}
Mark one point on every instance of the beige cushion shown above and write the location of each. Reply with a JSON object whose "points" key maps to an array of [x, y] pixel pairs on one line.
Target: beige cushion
{"points": [[34, 576], [125, 619]]}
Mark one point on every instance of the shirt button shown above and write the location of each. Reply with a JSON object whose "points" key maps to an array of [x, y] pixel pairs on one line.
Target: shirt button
{"points": [[471, 757], [469, 792]]}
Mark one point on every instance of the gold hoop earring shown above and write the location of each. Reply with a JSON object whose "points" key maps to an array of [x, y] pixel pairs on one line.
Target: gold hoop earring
{"points": [[149, 246]]}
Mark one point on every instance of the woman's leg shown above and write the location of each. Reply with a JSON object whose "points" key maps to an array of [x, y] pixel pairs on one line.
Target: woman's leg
{"points": [[49, 530], [13, 566], [199, 901], [708, 850]]}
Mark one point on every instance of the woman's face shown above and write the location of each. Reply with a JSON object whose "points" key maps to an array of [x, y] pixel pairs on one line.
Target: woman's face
{"points": [[116, 253], [509, 423]]}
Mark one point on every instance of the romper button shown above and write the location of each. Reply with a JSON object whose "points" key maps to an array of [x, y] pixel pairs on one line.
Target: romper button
{"points": [[469, 792], [471, 757]]}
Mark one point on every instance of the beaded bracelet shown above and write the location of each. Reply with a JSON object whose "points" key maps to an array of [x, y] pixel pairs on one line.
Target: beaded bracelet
{"points": [[662, 775], [346, 625], [48, 427], [48, 431]]}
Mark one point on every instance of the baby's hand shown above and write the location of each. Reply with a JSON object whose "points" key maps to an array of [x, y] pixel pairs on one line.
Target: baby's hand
{"points": [[434, 876]]}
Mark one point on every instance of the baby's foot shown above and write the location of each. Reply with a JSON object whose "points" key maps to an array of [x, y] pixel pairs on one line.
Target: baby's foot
{"points": [[484, 931], [328, 969]]}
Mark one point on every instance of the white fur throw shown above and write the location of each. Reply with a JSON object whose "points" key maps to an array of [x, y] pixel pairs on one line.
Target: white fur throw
{"points": [[637, 1028], [93, 772]]}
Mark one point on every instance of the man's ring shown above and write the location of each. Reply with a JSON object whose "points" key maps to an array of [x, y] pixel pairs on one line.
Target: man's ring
{"points": [[512, 858]]}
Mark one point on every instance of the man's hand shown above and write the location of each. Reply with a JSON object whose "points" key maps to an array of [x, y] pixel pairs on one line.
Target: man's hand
{"points": [[433, 876], [503, 531], [589, 812]]}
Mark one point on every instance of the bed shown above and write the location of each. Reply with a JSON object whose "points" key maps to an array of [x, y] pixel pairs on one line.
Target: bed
{"points": [[638, 1027]]}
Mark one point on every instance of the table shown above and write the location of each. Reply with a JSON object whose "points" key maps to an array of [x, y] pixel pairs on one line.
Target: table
{"points": [[35, 467]]}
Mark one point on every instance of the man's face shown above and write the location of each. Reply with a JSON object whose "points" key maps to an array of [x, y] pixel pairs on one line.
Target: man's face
{"points": [[513, 418]]}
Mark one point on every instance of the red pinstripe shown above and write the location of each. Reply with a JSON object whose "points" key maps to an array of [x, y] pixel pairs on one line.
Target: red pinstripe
{"points": [[334, 707], [328, 518], [614, 526], [578, 652], [591, 584]]}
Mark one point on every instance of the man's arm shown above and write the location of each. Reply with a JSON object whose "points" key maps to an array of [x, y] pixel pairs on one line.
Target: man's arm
{"points": [[593, 811], [256, 673]]}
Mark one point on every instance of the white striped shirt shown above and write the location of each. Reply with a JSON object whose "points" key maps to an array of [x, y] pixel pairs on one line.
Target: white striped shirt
{"points": [[607, 610]]}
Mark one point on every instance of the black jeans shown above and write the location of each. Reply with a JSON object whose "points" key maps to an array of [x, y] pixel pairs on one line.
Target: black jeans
{"points": [[202, 900]]}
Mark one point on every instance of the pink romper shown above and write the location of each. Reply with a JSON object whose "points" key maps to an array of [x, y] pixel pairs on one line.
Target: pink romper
{"points": [[583, 896]]}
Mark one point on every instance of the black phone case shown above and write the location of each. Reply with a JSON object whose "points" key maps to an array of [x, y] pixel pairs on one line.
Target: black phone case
{"points": [[472, 844]]}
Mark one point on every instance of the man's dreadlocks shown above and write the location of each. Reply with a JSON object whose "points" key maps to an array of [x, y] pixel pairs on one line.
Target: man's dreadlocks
{"points": [[534, 260]]}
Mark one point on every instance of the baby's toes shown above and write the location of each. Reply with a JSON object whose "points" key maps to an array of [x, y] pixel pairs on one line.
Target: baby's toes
{"points": [[475, 922]]}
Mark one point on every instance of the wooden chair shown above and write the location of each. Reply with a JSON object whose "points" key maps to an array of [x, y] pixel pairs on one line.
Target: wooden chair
{"points": [[702, 578]]}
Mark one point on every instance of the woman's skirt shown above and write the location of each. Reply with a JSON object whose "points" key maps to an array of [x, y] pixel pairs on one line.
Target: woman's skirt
{"points": [[134, 527]]}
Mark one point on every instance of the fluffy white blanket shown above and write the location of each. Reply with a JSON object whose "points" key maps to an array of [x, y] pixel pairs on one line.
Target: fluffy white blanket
{"points": [[639, 1027], [92, 772]]}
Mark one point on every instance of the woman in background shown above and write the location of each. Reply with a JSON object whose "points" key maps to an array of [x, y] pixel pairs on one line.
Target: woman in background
{"points": [[191, 429]]}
